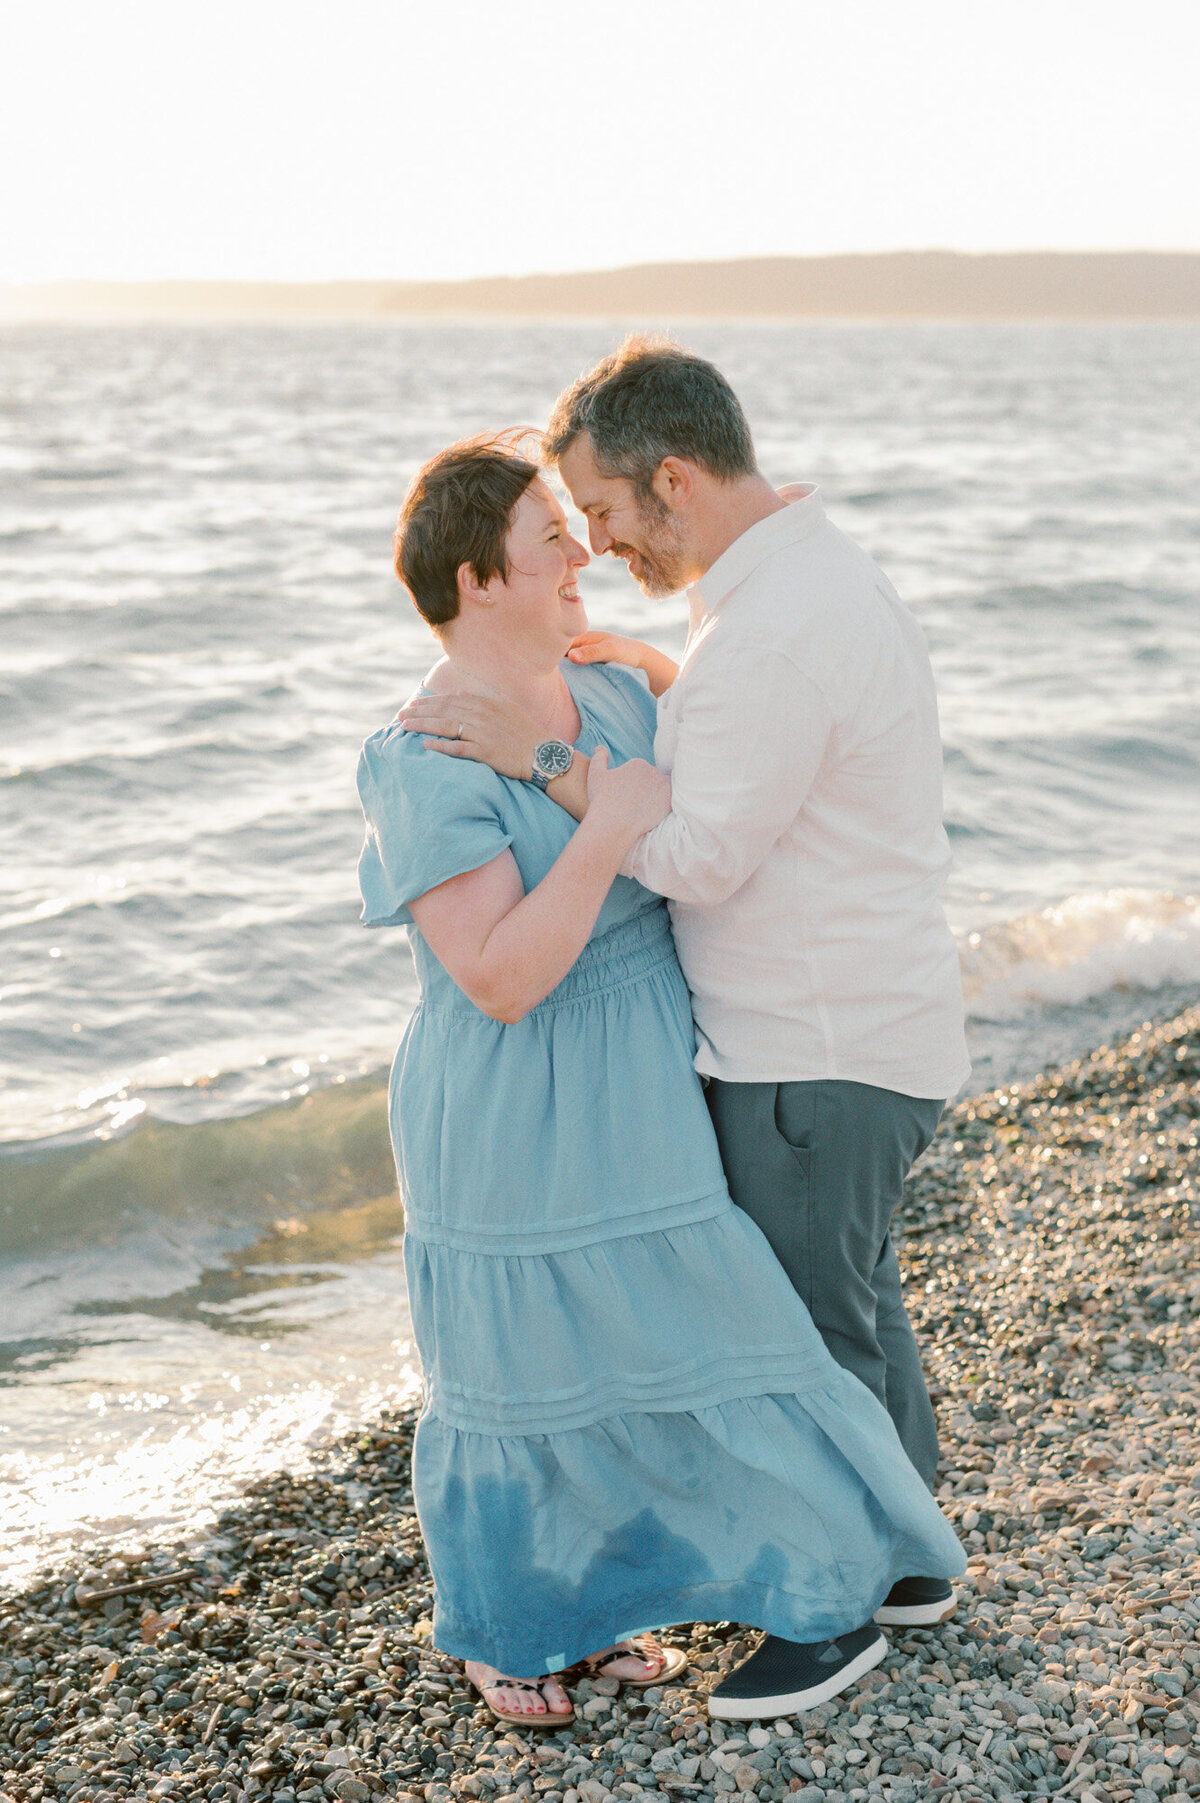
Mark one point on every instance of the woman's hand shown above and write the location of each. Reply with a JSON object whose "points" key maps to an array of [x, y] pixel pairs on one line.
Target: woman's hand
{"points": [[610, 648], [629, 799], [483, 727], [606, 648]]}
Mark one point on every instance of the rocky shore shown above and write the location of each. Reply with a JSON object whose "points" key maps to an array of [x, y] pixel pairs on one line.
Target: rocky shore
{"points": [[1053, 1274]]}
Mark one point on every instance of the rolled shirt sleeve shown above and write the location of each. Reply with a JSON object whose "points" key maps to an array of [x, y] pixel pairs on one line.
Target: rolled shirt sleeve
{"points": [[752, 733]]}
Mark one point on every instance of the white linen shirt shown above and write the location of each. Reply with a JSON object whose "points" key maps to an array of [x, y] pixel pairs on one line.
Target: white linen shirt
{"points": [[804, 854]]}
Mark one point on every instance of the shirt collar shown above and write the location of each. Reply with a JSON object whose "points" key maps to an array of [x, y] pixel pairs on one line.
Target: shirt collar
{"points": [[798, 520]]}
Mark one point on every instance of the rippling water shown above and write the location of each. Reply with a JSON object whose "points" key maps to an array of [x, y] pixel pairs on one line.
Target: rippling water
{"points": [[198, 1247]]}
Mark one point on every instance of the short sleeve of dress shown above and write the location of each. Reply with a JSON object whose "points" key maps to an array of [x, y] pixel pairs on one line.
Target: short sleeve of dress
{"points": [[428, 818]]}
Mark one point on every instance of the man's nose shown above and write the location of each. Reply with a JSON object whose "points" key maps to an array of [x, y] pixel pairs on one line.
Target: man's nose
{"points": [[599, 537]]}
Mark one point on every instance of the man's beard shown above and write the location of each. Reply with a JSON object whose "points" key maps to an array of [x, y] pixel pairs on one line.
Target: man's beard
{"points": [[662, 562]]}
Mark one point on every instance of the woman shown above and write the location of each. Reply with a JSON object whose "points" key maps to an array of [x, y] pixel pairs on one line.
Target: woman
{"points": [[629, 1418]]}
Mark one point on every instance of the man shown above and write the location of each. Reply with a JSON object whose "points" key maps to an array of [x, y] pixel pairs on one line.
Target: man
{"points": [[803, 859]]}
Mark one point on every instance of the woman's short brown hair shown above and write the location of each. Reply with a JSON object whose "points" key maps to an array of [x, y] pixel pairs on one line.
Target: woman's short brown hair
{"points": [[458, 509]]}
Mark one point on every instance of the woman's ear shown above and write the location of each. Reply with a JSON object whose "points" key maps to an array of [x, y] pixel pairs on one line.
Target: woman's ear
{"points": [[471, 592]]}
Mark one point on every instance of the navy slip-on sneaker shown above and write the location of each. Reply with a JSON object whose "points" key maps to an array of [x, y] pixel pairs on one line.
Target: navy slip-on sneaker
{"points": [[786, 1676], [917, 1603]]}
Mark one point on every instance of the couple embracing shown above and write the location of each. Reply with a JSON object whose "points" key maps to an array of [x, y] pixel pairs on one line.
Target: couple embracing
{"points": [[689, 1010]]}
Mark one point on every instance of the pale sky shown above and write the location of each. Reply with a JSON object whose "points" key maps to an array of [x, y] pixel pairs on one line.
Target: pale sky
{"points": [[317, 139]]}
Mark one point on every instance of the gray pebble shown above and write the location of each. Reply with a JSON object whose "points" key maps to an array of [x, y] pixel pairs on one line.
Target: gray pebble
{"points": [[1050, 1249]]}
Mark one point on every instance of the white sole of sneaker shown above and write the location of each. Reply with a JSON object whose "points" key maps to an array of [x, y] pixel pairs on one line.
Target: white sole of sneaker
{"points": [[917, 1615], [748, 1709]]}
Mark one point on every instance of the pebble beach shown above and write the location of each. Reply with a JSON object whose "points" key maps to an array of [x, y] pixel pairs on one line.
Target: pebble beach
{"points": [[1050, 1247]]}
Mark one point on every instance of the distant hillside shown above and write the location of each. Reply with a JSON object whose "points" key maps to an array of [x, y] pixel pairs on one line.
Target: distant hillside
{"points": [[896, 285]]}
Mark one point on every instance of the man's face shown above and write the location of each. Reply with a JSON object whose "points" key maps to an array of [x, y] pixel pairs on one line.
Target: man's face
{"points": [[641, 530]]}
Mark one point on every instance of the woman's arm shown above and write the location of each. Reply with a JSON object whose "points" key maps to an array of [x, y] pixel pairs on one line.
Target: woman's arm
{"points": [[507, 950]]}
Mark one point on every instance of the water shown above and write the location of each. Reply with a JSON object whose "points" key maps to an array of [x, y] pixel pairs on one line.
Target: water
{"points": [[199, 1242]]}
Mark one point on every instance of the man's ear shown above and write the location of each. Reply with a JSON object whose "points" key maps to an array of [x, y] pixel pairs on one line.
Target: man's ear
{"points": [[674, 482]]}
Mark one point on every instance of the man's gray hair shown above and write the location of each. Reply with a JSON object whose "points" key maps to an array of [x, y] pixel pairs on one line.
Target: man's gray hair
{"points": [[649, 400]]}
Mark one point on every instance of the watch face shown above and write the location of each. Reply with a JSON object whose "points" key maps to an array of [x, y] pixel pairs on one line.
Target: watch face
{"points": [[553, 758]]}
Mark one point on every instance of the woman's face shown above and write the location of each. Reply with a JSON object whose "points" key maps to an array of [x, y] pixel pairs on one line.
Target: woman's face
{"points": [[541, 606]]}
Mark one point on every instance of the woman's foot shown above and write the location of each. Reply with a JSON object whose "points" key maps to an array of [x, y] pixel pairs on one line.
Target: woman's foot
{"points": [[530, 1702], [640, 1661]]}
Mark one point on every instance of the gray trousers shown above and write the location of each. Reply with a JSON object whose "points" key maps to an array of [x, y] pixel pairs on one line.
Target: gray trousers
{"points": [[820, 1167]]}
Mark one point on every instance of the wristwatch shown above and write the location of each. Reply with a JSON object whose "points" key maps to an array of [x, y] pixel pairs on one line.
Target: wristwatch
{"points": [[550, 759]]}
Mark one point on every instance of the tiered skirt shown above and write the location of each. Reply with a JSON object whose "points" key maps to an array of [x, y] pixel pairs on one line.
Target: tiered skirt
{"points": [[629, 1417]]}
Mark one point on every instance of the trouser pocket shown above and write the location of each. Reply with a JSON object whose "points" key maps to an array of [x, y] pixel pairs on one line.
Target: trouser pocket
{"points": [[795, 1115]]}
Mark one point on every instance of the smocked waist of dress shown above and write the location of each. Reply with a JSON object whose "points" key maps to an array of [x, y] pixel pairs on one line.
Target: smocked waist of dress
{"points": [[625, 954]]}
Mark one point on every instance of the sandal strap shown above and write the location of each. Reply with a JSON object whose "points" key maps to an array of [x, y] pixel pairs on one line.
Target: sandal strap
{"points": [[512, 1684], [628, 1649]]}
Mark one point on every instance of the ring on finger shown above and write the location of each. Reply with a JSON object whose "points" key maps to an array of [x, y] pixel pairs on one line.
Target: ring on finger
{"points": [[458, 734]]}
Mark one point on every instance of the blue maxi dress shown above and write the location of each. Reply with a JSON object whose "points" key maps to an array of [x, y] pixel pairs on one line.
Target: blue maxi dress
{"points": [[629, 1418]]}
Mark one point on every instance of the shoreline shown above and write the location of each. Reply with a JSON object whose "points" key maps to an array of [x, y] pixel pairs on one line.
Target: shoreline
{"points": [[1053, 1278]]}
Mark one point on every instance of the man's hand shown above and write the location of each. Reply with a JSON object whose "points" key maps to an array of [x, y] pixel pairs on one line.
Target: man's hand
{"points": [[482, 727]]}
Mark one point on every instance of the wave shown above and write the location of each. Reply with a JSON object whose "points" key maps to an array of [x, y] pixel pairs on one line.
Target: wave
{"points": [[1081, 950], [316, 1155], [76, 475]]}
